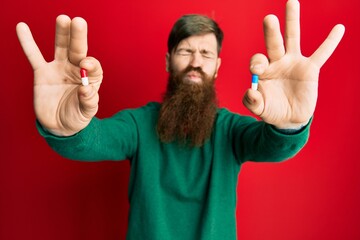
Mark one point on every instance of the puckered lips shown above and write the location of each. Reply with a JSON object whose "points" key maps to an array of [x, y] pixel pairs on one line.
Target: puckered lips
{"points": [[193, 77]]}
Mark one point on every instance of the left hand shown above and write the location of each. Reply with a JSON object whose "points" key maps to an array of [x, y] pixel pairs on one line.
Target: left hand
{"points": [[288, 81]]}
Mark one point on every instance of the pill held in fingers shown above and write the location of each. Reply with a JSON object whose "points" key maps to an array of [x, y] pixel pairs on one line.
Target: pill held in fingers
{"points": [[84, 77], [254, 82]]}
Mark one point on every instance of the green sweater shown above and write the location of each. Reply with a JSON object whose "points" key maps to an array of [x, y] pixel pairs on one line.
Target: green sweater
{"points": [[176, 191]]}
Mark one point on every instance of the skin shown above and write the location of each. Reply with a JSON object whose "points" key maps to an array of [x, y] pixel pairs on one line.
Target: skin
{"points": [[288, 81], [199, 51], [62, 105]]}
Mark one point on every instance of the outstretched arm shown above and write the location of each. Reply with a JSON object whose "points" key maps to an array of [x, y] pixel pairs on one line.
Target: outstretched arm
{"points": [[62, 105], [288, 81]]}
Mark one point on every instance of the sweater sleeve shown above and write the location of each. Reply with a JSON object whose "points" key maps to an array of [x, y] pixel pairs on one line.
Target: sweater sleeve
{"points": [[113, 138], [261, 142]]}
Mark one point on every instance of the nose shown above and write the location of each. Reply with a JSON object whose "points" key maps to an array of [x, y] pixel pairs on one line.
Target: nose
{"points": [[196, 60]]}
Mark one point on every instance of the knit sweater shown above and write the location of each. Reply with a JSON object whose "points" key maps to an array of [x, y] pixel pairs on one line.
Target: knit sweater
{"points": [[179, 192]]}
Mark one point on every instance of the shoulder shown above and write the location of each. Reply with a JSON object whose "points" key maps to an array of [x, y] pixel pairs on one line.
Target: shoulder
{"points": [[140, 116], [149, 108], [225, 116], [232, 123]]}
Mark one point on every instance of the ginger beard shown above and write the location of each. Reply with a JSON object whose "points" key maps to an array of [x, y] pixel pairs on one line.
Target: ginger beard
{"points": [[188, 111]]}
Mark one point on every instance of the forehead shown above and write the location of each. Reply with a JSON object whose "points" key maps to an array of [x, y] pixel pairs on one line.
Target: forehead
{"points": [[207, 40]]}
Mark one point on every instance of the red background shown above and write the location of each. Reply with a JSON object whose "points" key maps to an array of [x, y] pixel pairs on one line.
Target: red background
{"points": [[315, 195]]}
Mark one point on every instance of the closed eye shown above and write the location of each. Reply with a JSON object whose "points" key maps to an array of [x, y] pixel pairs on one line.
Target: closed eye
{"points": [[207, 54], [184, 51]]}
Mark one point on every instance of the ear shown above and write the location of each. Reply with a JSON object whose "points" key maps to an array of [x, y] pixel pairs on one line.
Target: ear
{"points": [[218, 63], [167, 59]]}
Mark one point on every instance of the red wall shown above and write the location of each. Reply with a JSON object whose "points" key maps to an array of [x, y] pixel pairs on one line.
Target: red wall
{"points": [[316, 195]]}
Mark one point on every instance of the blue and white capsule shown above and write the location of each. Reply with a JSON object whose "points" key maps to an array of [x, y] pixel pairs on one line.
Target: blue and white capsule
{"points": [[254, 82]]}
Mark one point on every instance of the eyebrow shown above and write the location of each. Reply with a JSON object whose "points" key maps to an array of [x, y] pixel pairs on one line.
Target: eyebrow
{"points": [[206, 51], [202, 51], [189, 49]]}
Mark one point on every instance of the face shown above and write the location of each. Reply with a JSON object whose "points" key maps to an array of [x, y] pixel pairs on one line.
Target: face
{"points": [[195, 52]]}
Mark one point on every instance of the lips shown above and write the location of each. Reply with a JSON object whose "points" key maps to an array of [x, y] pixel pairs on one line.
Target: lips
{"points": [[193, 76]]}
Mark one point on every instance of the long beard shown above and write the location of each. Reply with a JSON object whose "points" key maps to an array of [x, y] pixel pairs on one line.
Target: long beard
{"points": [[188, 110]]}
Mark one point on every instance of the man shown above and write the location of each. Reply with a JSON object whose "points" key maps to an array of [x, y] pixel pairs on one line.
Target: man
{"points": [[185, 153]]}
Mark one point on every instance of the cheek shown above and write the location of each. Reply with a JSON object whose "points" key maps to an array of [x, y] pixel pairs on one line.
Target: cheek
{"points": [[176, 67], [210, 69], [179, 65]]}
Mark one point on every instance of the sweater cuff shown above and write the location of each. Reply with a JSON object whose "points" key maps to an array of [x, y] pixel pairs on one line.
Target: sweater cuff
{"points": [[291, 131], [66, 145]]}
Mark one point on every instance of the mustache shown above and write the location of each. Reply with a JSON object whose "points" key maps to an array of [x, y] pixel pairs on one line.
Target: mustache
{"points": [[195, 69], [180, 75]]}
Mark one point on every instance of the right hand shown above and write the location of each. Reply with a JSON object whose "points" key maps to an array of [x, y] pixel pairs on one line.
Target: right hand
{"points": [[62, 105]]}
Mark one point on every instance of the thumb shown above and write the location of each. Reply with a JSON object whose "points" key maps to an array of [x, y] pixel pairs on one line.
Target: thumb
{"points": [[88, 101], [253, 100]]}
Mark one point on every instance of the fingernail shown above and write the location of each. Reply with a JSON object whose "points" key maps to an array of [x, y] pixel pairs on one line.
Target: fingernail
{"points": [[89, 63], [257, 67]]}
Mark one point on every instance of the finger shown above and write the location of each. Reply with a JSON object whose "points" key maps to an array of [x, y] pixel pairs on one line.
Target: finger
{"points": [[292, 28], [89, 99], [273, 38], [78, 40], [258, 64], [62, 37], [254, 101], [92, 65], [29, 46], [322, 54]]}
